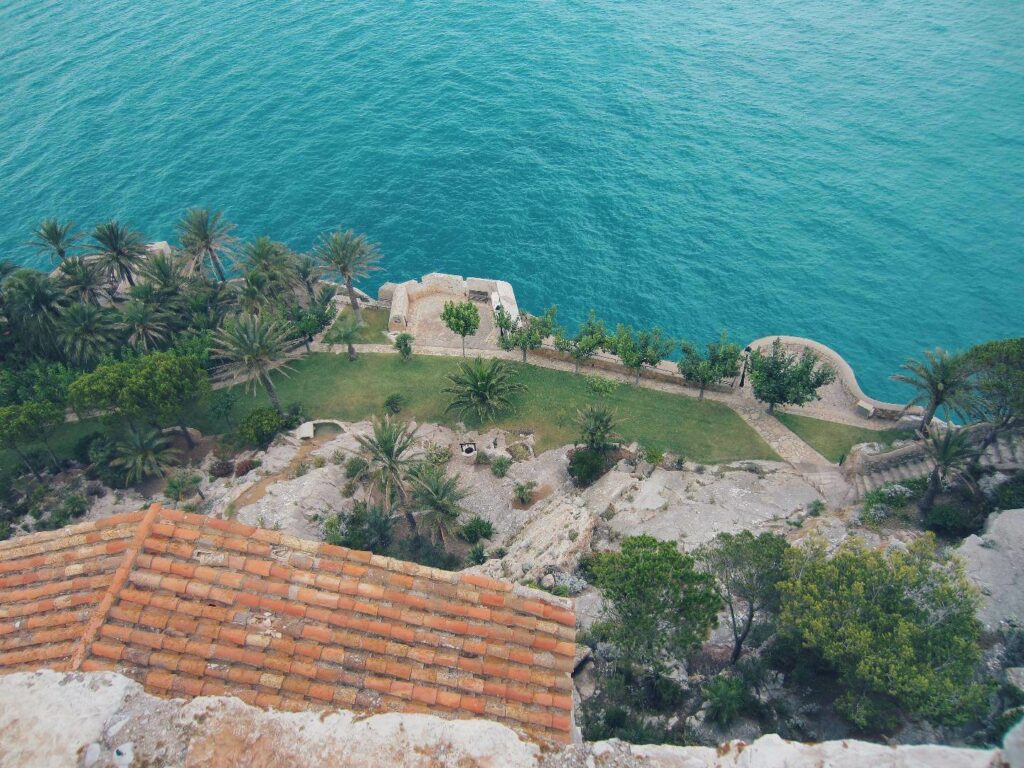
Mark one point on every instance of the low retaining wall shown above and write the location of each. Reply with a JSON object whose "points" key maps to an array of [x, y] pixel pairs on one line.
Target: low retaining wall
{"points": [[401, 296]]}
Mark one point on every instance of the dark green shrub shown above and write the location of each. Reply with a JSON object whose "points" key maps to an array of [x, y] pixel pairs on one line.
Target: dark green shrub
{"points": [[75, 505], [953, 521], [727, 697], [815, 508], [224, 468], [260, 426], [420, 550], [476, 554], [482, 459], [394, 403], [523, 492], [355, 467], [585, 466], [475, 529], [294, 415], [83, 444], [500, 466], [1010, 495]]}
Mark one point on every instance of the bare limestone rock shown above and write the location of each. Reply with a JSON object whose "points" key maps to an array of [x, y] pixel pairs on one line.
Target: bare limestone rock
{"points": [[995, 563], [51, 720]]}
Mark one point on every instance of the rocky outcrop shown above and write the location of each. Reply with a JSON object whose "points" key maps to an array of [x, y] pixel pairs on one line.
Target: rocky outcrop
{"points": [[99, 720], [994, 561]]}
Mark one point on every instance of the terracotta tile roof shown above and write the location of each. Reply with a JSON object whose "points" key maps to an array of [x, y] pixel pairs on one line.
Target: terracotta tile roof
{"points": [[190, 605]]}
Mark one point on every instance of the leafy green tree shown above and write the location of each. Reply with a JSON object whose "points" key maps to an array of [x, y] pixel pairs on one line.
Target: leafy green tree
{"points": [[780, 378], [86, 333], [527, 332], [222, 404], [82, 281], [403, 343], [482, 390], [635, 349], [582, 346], [940, 380], [144, 325], [166, 386], [252, 345], [119, 250], [898, 628], [747, 571], [29, 422], [141, 454], [998, 369], [54, 239], [462, 318], [260, 426], [597, 428], [351, 256], [205, 235], [39, 380], [98, 392], [951, 453], [440, 497], [719, 362], [659, 608], [390, 448]]}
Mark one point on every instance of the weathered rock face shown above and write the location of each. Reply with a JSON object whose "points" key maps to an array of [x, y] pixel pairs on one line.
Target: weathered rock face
{"points": [[98, 720], [995, 562]]}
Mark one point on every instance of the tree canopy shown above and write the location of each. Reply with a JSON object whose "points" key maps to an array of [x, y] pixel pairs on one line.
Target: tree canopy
{"points": [[462, 318], [781, 378], [898, 629], [528, 332], [719, 361], [659, 606]]}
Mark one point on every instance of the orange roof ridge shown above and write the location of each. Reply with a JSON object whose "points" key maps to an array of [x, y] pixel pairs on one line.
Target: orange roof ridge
{"points": [[190, 605]]}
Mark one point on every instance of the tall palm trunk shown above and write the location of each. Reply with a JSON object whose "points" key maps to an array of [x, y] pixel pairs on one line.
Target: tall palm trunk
{"points": [[217, 266], [271, 392], [352, 299], [926, 419], [928, 500]]}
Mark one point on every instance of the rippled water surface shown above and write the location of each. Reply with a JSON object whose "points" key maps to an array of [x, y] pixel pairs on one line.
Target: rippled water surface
{"points": [[847, 171]]}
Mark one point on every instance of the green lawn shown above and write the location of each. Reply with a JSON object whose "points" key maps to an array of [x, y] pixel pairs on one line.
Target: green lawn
{"points": [[373, 330], [329, 386], [833, 440]]}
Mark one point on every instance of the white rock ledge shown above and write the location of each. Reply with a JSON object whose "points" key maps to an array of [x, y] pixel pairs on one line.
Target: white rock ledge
{"points": [[49, 719]]}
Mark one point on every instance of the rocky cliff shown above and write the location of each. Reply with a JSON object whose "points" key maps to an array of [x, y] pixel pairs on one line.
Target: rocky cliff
{"points": [[49, 719]]}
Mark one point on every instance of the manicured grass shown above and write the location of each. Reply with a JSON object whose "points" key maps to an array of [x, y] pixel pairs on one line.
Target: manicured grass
{"points": [[329, 386], [833, 440], [373, 330]]}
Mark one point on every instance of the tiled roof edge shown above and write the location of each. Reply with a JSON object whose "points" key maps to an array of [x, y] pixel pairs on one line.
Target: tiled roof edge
{"points": [[99, 616]]}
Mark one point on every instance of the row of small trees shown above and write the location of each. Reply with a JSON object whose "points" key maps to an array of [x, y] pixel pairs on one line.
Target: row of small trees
{"points": [[777, 377]]}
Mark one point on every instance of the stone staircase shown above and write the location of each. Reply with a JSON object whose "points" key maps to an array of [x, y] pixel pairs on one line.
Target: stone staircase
{"points": [[1006, 454]]}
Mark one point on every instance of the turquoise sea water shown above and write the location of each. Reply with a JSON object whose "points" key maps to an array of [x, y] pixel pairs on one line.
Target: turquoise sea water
{"points": [[852, 172]]}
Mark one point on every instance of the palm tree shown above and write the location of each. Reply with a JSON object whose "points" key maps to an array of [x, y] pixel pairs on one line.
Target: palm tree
{"points": [[82, 281], [308, 273], [54, 239], [86, 333], [119, 249], [482, 389], [352, 257], [165, 272], [144, 325], [271, 260], [440, 496], [952, 452], [33, 304], [597, 427], [253, 293], [252, 345], [389, 462], [205, 235], [941, 379], [346, 331], [143, 454]]}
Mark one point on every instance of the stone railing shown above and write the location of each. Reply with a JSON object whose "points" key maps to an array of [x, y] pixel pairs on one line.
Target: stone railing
{"points": [[401, 296]]}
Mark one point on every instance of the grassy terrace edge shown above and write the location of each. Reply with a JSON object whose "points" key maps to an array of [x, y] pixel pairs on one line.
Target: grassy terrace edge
{"points": [[329, 386], [834, 440]]}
